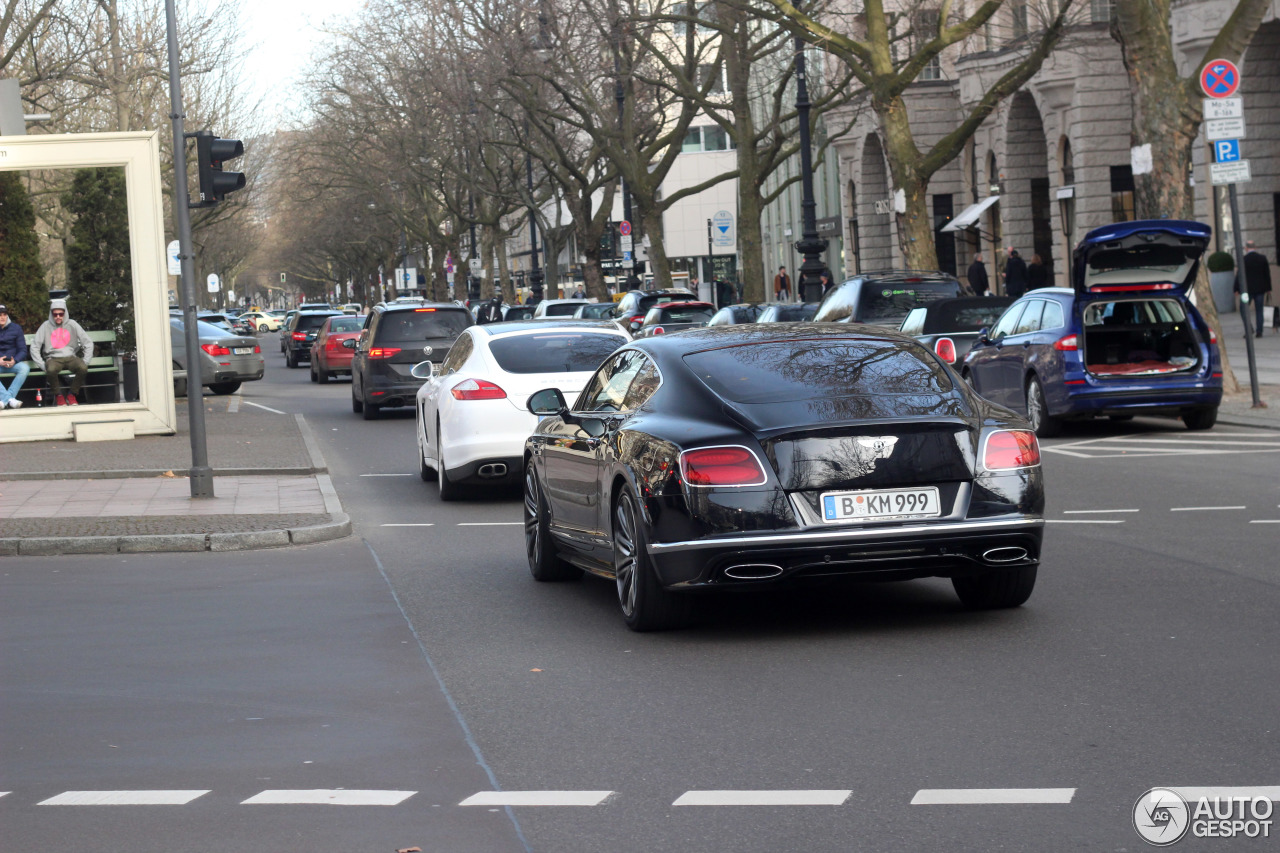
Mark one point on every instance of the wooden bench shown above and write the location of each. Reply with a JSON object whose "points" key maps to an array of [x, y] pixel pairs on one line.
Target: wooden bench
{"points": [[105, 371]]}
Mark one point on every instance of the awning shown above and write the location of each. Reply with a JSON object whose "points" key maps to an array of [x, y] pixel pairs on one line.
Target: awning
{"points": [[969, 216]]}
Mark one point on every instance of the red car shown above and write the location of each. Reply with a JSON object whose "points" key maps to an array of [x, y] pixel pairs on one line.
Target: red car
{"points": [[328, 356]]}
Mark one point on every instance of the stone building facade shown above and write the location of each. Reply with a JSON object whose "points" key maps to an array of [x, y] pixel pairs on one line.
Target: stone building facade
{"points": [[1057, 155]]}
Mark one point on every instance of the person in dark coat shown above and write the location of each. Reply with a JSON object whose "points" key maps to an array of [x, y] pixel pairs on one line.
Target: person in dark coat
{"points": [[1015, 275], [1257, 273], [977, 274], [491, 311], [1037, 275]]}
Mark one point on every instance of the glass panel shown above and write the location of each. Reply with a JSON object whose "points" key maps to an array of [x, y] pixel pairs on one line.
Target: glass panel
{"points": [[554, 353], [1008, 322], [692, 140], [400, 326], [715, 139], [1030, 319]]}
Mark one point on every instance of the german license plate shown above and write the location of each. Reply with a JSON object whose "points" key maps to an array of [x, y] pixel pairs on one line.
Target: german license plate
{"points": [[243, 350], [881, 503]]}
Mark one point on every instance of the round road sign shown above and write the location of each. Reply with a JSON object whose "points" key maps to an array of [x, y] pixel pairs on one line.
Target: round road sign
{"points": [[1220, 78], [624, 228]]}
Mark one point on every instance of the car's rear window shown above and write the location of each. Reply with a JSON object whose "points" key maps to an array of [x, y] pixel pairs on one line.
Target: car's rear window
{"points": [[788, 371], [519, 312], [420, 325], [307, 322], [647, 302], [882, 301], [597, 311], [346, 324], [965, 317], [554, 352], [561, 309], [686, 315]]}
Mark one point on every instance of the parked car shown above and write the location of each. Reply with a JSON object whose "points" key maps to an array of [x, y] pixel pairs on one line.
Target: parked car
{"points": [[328, 356], [471, 415], [315, 306], [1123, 340], [788, 312], [226, 359], [511, 313], [262, 321], [394, 339], [284, 327], [884, 298], [949, 327], [352, 308], [635, 304], [549, 309], [732, 315], [733, 458], [594, 311], [302, 332], [667, 317]]}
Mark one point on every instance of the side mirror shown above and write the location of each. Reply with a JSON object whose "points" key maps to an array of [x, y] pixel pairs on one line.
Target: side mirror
{"points": [[984, 336], [349, 343], [547, 402], [422, 370]]}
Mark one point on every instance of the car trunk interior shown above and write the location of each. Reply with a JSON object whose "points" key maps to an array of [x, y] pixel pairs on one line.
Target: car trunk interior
{"points": [[1138, 337]]}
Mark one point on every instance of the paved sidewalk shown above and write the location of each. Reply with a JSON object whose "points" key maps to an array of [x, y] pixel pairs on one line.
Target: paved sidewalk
{"points": [[271, 489], [1238, 408]]}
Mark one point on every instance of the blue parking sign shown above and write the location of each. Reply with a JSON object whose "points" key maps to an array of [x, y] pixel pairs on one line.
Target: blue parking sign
{"points": [[1226, 150]]}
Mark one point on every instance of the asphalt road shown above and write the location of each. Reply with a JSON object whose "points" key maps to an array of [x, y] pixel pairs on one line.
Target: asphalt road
{"points": [[419, 656]]}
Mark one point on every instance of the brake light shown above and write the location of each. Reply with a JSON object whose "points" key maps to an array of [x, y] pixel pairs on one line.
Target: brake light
{"points": [[1011, 448], [257, 349], [1121, 288], [721, 466], [638, 318], [384, 352], [299, 336], [658, 330], [1070, 343], [1213, 336], [423, 310], [946, 350], [477, 389], [215, 349]]}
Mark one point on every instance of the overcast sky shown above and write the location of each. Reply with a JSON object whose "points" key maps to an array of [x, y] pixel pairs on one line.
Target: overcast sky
{"points": [[287, 33]]}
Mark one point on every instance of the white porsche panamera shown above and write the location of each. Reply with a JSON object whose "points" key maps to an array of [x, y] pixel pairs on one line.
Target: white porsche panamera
{"points": [[471, 415]]}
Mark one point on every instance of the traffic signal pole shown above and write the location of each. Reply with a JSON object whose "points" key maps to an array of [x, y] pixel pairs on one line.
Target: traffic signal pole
{"points": [[201, 474]]}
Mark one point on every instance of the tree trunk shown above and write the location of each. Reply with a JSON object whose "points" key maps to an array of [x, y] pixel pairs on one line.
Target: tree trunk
{"points": [[659, 265], [750, 242], [915, 226]]}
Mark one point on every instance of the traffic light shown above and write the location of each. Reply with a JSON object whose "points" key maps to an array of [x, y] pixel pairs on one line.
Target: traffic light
{"points": [[211, 153]]}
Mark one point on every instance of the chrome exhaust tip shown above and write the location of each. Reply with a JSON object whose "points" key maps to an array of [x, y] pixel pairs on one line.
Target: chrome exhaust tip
{"points": [[1007, 554], [492, 469], [753, 572]]}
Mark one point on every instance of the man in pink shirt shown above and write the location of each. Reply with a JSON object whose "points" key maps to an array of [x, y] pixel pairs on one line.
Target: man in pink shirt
{"points": [[60, 344]]}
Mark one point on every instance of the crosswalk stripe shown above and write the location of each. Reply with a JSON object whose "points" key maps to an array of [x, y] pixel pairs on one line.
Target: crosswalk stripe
{"points": [[762, 798], [122, 798], [990, 796], [536, 798], [328, 797]]}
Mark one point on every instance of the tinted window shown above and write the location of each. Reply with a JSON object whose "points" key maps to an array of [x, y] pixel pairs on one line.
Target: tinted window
{"points": [[686, 315], [307, 322], [346, 324], [598, 311], [205, 330], [607, 390], [891, 300], [458, 354], [1134, 312], [564, 309], [642, 387], [647, 302], [967, 316], [1008, 321], [561, 352], [785, 371], [518, 312], [1030, 319], [401, 326]]}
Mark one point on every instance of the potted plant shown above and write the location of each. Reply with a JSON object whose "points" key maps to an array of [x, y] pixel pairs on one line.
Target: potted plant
{"points": [[1222, 280]]}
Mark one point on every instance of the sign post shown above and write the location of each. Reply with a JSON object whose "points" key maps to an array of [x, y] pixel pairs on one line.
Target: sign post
{"points": [[1219, 80]]}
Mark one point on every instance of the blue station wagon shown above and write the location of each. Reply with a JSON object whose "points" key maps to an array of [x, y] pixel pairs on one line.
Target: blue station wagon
{"points": [[1124, 340]]}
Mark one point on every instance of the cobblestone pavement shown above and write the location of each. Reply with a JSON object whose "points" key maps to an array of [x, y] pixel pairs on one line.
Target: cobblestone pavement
{"points": [[171, 496], [155, 525]]}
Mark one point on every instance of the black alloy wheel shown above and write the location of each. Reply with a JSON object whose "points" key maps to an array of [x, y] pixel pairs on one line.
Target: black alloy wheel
{"points": [[646, 606], [996, 589], [225, 388], [544, 563], [1200, 419], [1042, 423], [449, 490]]}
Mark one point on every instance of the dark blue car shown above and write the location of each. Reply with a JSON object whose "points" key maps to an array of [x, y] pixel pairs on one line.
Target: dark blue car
{"points": [[1123, 340]]}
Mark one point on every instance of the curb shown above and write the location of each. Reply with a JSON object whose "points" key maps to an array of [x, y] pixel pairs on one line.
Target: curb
{"points": [[122, 474], [1246, 423]]}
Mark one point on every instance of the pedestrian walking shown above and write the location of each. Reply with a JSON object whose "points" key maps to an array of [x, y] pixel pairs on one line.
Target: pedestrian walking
{"points": [[977, 275], [1037, 274], [1015, 274], [782, 286], [13, 361], [60, 344], [1257, 272]]}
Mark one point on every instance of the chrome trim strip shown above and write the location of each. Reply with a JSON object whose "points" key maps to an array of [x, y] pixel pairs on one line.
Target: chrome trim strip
{"points": [[767, 540]]}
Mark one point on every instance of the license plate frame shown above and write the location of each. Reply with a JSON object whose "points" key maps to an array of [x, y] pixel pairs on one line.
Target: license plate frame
{"points": [[841, 507], [242, 351]]}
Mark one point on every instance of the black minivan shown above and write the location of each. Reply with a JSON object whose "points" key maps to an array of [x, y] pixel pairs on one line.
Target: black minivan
{"points": [[394, 339]]}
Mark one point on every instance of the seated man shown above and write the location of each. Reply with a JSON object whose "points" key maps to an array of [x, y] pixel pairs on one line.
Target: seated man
{"points": [[13, 360], [60, 344]]}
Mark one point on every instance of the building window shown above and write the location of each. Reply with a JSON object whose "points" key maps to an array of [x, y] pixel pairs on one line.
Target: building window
{"points": [[932, 71], [715, 74], [692, 140], [1019, 11], [924, 29], [714, 138], [1100, 11], [1068, 164], [1122, 206]]}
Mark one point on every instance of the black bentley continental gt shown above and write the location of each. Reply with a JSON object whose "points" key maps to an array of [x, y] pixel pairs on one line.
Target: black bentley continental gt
{"points": [[743, 456]]}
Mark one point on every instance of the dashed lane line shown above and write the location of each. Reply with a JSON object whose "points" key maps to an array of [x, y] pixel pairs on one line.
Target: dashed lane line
{"points": [[536, 798], [1084, 521], [388, 475], [762, 798], [411, 524], [1203, 508], [490, 523], [991, 796], [268, 408], [1265, 521], [329, 797], [123, 798], [1095, 511]]}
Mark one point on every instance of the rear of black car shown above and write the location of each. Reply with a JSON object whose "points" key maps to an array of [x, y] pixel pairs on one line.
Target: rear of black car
{"points": [[393, 341], [884, 299], [950, 327], [302, 334]]}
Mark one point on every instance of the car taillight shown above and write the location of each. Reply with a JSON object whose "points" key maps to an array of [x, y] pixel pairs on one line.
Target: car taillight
{"points": [[332, 343], [257, 349], [721, 466], [477, 389], [384, 352], [1011, 448], [299, 336], [1213, 336], [658, 330], [946, 350], [215, 349], [638, 318], [1068, 344]]}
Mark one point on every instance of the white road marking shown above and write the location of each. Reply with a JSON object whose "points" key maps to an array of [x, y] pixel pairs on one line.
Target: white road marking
{"points": [[233, 405], [762, 798], [329, 797], [415, 524], [1192, 792], [4, 793], [536, 798], [490, 523], [1091, 511], [1202, 508], [388, 475], [1265, 521], [268, 408], [1084, 521], [123, 798], [990, 796]]}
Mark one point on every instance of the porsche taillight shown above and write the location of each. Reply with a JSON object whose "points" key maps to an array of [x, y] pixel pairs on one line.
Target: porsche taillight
{"points": [[1008, 449], [477, 389], [721, 466]]}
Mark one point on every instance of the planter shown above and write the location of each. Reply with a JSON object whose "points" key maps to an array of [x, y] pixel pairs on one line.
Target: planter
{"points": [[1222, 285]]}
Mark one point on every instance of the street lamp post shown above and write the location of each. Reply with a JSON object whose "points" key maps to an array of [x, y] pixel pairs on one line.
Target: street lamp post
{"points": [[535, 274], [810, 244]]}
